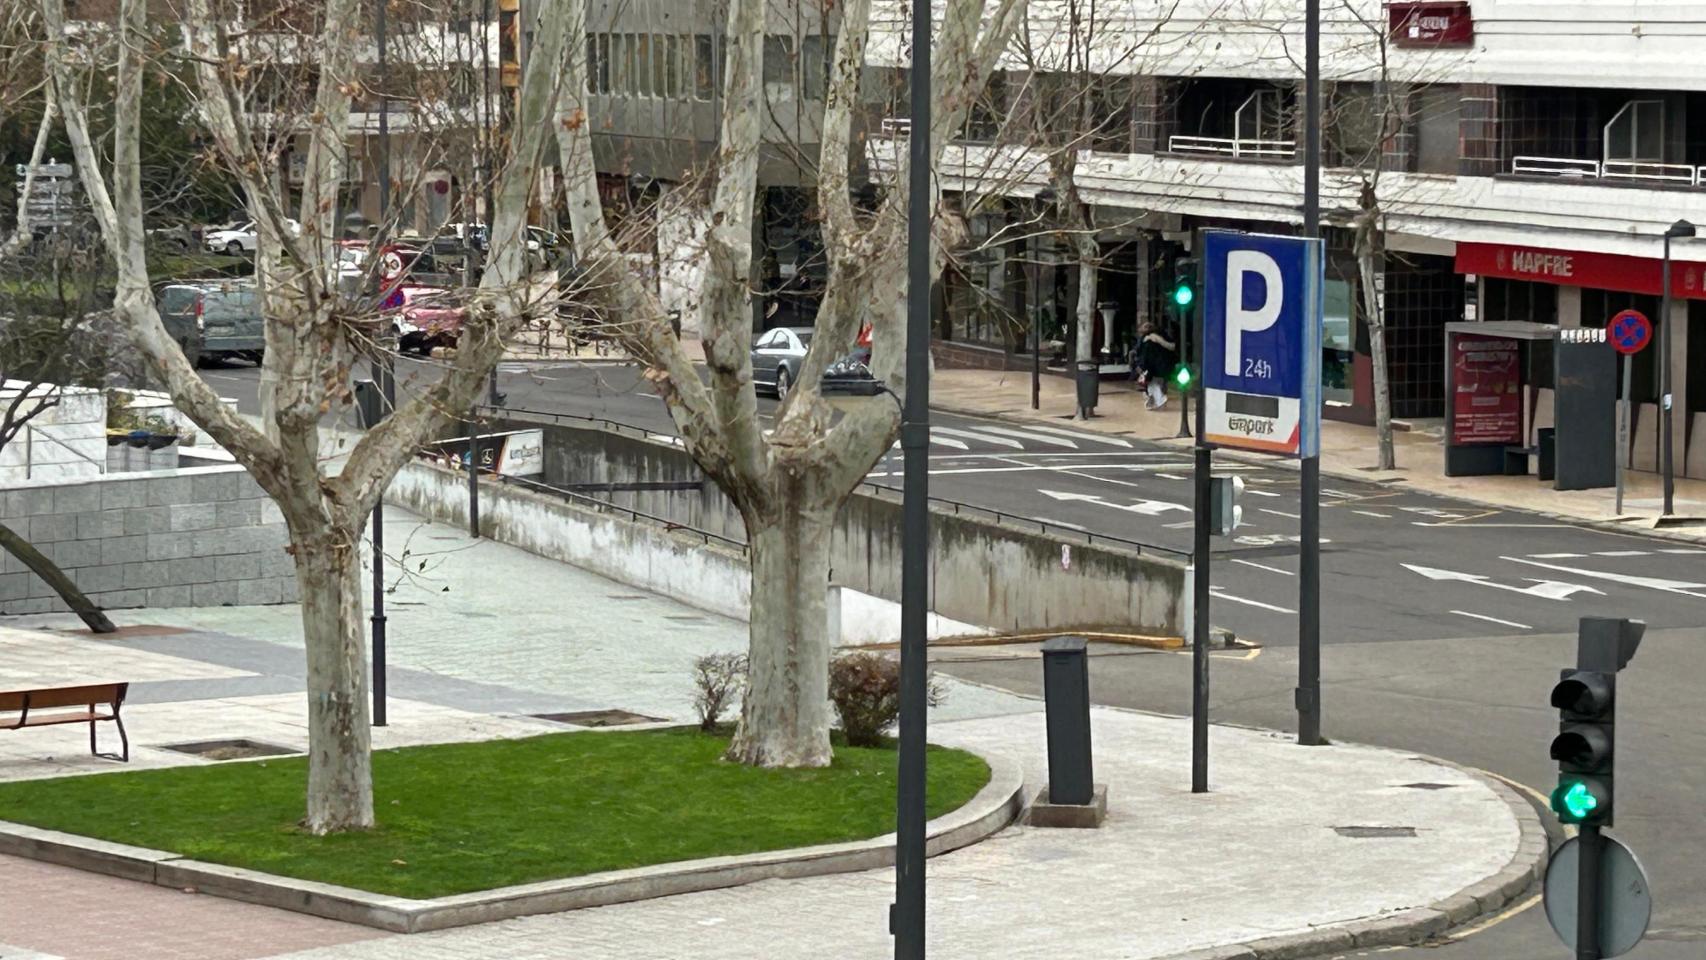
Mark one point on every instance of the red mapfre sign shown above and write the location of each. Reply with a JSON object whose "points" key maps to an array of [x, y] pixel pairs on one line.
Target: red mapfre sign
{"points": [[1575, 268], [1431, 23]]}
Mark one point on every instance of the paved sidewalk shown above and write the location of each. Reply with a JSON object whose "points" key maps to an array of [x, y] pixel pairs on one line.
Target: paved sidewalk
{"points": [[1289, 840], [1347, 450]]}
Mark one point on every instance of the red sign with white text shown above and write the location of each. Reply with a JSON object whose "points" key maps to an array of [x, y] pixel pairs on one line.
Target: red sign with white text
{"points": [[1431, 23], [1486, 401], [1577, 268]]}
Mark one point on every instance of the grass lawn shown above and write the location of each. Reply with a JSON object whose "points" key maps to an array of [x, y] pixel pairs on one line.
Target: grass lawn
{"points": [[472, 816]]}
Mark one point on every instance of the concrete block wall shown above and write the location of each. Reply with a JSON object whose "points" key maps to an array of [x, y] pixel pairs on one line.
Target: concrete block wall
{"points": [[68, 439], [197, 537]]}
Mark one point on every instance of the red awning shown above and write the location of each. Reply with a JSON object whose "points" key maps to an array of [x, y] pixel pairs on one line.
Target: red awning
{"points": [[1576, 268]]}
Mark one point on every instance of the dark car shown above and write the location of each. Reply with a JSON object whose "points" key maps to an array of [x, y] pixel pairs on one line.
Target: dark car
{"points": [[778, 353], [220, 318]]}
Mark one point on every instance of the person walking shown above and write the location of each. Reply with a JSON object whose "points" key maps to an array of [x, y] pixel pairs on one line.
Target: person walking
{"points": [[1156, 356]]}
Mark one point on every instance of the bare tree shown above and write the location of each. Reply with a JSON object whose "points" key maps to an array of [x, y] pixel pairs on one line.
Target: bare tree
{"points": [[788, 482], [313, 334]]}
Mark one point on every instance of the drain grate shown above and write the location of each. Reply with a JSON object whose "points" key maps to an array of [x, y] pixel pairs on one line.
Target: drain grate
{"points": [[1426, 786], [597, 718], [1370, 833], [235, 749]]}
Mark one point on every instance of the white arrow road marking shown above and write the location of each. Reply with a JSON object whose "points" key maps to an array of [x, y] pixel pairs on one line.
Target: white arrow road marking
{"points": [[1652, 583], [1085, 437], [1437, 514], [1549, 589], [968, 435], [1280, 513], [1221, 595], [944, 441], [1148, 508], [1482, 616], [1026, 435]]}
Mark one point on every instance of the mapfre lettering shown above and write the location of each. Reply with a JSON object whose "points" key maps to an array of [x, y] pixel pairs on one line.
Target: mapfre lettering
{"points": [[1535, 263], [1249, 426]]}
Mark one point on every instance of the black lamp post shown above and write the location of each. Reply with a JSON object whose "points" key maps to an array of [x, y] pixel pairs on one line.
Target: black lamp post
{"points": [[1679, 230]]}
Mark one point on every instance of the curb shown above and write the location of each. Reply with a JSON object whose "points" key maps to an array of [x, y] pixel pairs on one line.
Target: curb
{"points": [[992, 809], [1610, 526], [1418, 924]]}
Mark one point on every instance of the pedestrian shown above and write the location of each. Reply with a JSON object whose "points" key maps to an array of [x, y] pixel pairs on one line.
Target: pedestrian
{"points": [[1155, 356]]}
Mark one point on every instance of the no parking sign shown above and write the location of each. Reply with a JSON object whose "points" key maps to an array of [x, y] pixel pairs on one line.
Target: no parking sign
{"points": [[1630, 331]]}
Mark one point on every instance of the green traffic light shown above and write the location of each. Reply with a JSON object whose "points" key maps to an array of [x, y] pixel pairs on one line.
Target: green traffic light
{"points": [[1182, 376], [1574, 801], [1183, 295]]}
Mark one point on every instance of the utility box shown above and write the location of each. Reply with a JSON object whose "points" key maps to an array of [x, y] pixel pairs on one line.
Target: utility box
{"points": [[1066, 692], [1585, 444]]}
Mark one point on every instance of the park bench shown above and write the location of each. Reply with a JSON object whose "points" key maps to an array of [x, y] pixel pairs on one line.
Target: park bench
{"points": [[47, 706]]}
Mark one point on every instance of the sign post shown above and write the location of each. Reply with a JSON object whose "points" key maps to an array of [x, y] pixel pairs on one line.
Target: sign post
{"points": [[1261, 381], [1631, 331]]}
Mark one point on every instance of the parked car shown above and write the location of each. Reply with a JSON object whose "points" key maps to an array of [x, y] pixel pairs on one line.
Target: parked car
{"points": [[213, 318], [241, 239], [177, 237], [425, 317], [778, 353]]}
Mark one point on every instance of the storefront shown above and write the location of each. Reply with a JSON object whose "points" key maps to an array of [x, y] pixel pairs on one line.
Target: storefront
{"points": [[1572, 288]]}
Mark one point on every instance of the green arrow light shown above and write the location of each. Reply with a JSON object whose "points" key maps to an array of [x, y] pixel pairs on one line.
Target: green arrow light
{"points": [[1183, 295], [1574, 801]]}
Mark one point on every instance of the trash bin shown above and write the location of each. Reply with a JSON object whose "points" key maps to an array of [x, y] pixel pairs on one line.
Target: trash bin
{"points": [[1066, 704], [1089, 385], [1548, 452]]}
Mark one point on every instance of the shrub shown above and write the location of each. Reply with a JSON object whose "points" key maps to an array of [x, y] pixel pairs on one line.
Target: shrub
{"points": [[719, 679], [865, 688]]}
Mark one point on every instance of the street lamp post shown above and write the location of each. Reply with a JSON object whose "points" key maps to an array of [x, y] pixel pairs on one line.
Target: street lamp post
{"points": [[1678, 230], [907, 918]]}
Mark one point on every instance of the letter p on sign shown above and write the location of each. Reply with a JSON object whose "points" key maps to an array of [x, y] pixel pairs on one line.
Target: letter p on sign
{"points": [[1240, 319]]}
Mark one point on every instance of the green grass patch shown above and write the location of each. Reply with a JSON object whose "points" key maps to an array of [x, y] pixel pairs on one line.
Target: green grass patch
{"points": [[473, 816]]}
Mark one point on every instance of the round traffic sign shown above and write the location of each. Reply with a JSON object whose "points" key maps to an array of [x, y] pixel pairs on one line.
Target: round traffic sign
{"points": [[1630, 331], [1625, 902], [391, 265]]}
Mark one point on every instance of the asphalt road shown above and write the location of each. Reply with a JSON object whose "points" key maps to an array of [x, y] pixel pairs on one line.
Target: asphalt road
{"points": [[1446, 622], [1396, 564]]}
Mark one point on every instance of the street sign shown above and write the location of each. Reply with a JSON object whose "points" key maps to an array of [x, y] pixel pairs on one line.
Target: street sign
{"points": [[45, 170], [1631, 331], [1625, 901], [1261, 365]]}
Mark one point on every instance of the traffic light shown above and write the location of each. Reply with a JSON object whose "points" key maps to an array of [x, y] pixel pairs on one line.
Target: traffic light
{"points": [[1184, 376], [1184, 292], [1224, 511], [1586, 702]]}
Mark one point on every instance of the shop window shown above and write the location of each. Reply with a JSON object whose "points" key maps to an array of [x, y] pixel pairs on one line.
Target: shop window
{"points": [[1520, 300], [1338, 348]]}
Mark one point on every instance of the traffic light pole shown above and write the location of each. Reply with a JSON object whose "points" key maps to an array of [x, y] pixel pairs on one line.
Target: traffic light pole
{"points": [[1588, 847], [1309, 523], [1185, 359], [1200, 599]]}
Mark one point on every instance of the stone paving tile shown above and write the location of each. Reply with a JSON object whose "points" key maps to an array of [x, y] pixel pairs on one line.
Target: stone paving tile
{"points": [[33, 657], [60, 912]]}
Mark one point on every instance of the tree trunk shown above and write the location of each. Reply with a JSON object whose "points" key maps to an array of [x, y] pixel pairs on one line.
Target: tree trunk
{"points": [[340, 774], [1085, 351], [784, 718], [49, 571], [1377, 351]]}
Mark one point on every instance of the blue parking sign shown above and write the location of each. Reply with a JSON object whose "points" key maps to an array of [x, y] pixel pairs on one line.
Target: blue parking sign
{"points": [[1261, 366]]}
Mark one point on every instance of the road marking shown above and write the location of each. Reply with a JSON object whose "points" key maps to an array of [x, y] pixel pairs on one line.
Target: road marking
{"points": [[1557, 556], [1182, 524], [1482, 616], [1260, 493], [1434, 512], [1652, 583], [1263, 566], [1087, 437], [1019, 467], [944, 441], [1222, 595], [671, 440], [968, 435], [1620, 553], [1026, 435], [1148, 508], [1170, 476], [1548, 589], [1281, 513], [1492, 526], [1272, 539], [1688, 550], [1371, 513]]}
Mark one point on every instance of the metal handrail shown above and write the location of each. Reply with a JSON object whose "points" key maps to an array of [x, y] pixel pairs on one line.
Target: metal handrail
{"points": [[952, 506], [1555, 166], [1232, 146], [1649, 170]]}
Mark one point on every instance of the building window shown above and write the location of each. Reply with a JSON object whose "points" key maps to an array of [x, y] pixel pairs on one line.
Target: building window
{"points": [[1111, 106], [1636, 134], [983, 121], [621, 63], [1261, 117], [704, 69], [643, 64], [1354, 118], [598, 62], [778, 61], [672, 46], [1438, 129]]}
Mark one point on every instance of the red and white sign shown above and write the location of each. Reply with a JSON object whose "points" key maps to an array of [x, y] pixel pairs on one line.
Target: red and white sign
{"points": [[1486, 402], [1431, 23], [1577, 268], [1630, 332]]}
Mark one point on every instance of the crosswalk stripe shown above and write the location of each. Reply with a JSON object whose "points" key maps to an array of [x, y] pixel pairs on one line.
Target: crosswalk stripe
{"points": [[968, 435], [1087, 437], [1026, 435], [944, 441]]}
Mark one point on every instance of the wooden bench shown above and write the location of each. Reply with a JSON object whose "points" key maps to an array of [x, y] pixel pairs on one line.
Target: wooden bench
{"points": [[68, 705]]}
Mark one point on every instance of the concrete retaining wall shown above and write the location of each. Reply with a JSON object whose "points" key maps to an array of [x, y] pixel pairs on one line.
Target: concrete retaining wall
{"points": [[983, 572], [203, 537]]}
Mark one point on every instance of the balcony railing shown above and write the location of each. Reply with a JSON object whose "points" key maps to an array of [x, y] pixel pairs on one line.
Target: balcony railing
{"points": [[1232, 147], [1569, 168]]}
